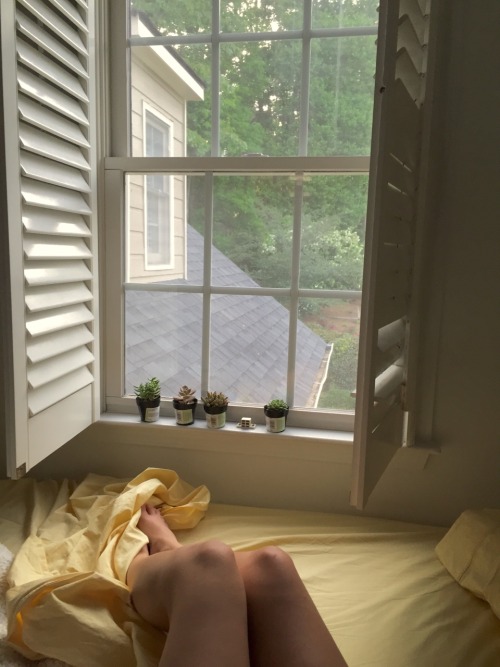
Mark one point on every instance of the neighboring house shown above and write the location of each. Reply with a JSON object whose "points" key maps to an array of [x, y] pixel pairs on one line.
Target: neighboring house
{"points": [[163, 247], [162, 85]]}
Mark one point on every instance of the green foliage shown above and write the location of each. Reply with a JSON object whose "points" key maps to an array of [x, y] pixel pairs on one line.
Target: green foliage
{"points": [[277, 404], [149, 390], [344, 362]]}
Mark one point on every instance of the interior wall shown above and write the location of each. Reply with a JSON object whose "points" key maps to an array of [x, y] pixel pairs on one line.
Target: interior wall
{"points": [[467, 319]]}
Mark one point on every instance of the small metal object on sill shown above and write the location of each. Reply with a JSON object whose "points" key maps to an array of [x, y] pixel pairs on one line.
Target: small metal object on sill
{"points": [[245, 423]]}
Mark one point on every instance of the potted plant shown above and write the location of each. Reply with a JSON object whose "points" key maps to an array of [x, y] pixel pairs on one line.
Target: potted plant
{"points": [[185, 406], [276, 412], [147, 397], [215, 405]]}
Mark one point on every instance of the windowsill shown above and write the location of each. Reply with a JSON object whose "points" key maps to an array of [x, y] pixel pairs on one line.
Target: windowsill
{"points": [[296, 443]]}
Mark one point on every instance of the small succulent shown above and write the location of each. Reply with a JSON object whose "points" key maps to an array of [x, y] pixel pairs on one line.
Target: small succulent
{"points": [[148, 390], [215, 399], [277, 404], [186, 395]]}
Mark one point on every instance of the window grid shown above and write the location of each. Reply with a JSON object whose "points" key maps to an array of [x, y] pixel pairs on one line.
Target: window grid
{"points": [[295, 166]]}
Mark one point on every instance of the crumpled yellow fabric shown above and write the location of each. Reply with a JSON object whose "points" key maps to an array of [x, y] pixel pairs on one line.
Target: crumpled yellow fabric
{"points": [[68, 597]]}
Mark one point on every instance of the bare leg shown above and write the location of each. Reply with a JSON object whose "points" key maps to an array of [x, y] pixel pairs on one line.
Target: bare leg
{"points": [[284, 626], [196, 593]]}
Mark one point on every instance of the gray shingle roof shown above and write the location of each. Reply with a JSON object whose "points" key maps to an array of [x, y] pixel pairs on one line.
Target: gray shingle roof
{"points": [[248, 359]]}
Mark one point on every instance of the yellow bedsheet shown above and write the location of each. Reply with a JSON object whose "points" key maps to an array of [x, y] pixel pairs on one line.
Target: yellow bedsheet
{"points": [[379, 585], [68, 598]]}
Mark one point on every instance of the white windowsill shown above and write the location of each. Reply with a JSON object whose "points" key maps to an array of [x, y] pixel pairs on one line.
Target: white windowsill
{"points": [[296, 443]]}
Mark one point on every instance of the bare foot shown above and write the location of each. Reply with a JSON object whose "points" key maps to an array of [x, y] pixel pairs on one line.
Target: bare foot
{"points": [[153, 525]]}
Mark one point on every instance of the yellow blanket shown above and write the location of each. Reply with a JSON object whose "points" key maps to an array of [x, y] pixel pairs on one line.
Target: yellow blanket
{"points": [[68, 579]]}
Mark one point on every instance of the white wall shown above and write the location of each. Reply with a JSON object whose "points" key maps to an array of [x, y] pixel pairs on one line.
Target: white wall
{"points": [[467, 414]]}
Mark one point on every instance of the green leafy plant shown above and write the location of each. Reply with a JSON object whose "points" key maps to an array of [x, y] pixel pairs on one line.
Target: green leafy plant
{"points": [[185, 395], [277, 404], [149, 390], [215, 399]]}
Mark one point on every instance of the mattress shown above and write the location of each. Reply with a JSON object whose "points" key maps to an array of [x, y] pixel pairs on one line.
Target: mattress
{"points": [[386, 597]]}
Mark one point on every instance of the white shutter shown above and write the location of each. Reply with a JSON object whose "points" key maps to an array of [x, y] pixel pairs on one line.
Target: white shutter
{"points": [[400, 85], [47, 78]]}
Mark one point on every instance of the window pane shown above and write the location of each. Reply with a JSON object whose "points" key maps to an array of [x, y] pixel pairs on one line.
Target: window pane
{"points": [[253, 217], [341, 95], [256, 16], [260, 97], [198, 60], [333, 230], [336, 323], [344, 13], [163, 339], [249, 354], [163, 245], [172, 18]]}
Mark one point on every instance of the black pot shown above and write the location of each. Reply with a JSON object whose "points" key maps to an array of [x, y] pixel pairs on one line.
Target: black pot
{"points": [[184, 412], [213, 421], [149, 408], [275, 419]]}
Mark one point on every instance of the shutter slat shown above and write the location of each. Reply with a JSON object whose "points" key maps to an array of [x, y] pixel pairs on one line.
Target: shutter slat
{"points": [[52, 97], [43, 398], [389, 382], [45, 347], [55, 368], [399, 175], [404, 129], [39, 247], [40, 324], [408, 75], [396, 204], [70, 12], [412, 10], [55, 296], [54, 223], [39, 116], [51, 147], [51, 273], [35, 193], [390, 345], [37, 62], [408, 39], [55, 23], [50, 44], [49, 171]]}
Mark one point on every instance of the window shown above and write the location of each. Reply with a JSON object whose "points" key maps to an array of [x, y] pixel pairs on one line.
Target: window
{"points": [[157, 195], [262, 196], [262, 295]]}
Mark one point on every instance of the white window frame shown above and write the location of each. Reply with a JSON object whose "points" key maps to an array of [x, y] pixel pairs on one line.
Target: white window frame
{"points": [[165, 224], [120, 163]]}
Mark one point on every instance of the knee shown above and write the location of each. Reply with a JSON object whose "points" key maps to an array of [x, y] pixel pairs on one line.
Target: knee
{"points": [[212, 558], [269, 567]]}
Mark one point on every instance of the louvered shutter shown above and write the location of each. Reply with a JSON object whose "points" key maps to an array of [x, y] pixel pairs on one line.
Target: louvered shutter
{"points": [[386, 325], [47, 72]]}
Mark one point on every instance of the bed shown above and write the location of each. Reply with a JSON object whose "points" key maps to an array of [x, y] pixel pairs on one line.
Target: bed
{"points": [[393, 594]]}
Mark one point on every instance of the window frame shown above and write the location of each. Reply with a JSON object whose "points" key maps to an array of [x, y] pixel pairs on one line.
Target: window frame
{"points": [[118, 163], [165, 224]]}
